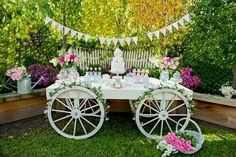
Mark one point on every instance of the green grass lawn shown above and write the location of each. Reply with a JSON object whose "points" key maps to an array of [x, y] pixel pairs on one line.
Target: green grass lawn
{"points": [[118, 137]]}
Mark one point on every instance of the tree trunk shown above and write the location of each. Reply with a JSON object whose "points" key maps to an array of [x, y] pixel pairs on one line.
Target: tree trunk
{"points": [[234, 77]]}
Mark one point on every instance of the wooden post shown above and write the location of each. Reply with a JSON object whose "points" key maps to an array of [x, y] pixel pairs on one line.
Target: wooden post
{"points": [[234, 77]]}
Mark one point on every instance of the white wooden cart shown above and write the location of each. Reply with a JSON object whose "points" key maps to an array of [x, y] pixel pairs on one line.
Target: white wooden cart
{"points": [[76, 112]]}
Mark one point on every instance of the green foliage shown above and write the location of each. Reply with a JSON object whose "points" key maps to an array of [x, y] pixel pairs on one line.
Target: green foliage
{"points": [[211, 42]]}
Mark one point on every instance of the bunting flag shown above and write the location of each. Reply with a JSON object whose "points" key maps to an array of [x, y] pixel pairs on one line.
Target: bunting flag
{"points": [[73, 33], [150, 34], [122, 41]]}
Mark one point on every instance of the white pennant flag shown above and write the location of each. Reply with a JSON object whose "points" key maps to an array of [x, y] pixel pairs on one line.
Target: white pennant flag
{"points": [[169, 28], [187, 18], [121, 41], [128, 40], [54, 23], [181, 22], [80, 35], [108, 41], [150, 34], [163, 31], [115, 40], [73, 33], [47, 20], [135, 40], [157, 34], [66, 30], [87, 37], [59, 27], [176, 25], [102, 40]]}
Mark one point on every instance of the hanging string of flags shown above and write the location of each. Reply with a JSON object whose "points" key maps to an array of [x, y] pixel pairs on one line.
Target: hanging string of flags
{"points": [[115, 40]]}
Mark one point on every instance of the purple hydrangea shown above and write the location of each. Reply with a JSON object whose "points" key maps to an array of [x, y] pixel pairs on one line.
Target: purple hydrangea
{"points": [[47, 72], [189, 80]]}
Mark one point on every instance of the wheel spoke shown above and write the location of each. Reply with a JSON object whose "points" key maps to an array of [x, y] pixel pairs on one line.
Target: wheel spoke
{"points": [[91, 115], [161, 128], [63, 104], [177, 114], [150, 121], [147, 115], [81, 123], [75, 127], [174, 121], [89, 108], [61, 111], [168, 125], [157, 104], [151, 107], [88, 122], [67, 124], [176, 107], [82, 104], [172, 100], [154, 127], [62, 118], [90, 105], [70, 102]]}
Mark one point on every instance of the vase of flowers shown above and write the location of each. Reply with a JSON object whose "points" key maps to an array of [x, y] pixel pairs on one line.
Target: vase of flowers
{"points": [[227, 91], [165, 64], [23, 79], [68, 62]]}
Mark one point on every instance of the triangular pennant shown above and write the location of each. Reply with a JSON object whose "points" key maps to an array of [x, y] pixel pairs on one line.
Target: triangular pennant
{"points": [[108, 41], [59, 27], [73, 33], [87, 37], [54, 23], [187, 18], [80, 35], [163, 31], [157, 34], [102, 40], [128, 40], [135, 40], [181, 22], [169, 28], [150, 34], [66, 30], [47, 20], [115, 40], [176, 25], [121, 41]]}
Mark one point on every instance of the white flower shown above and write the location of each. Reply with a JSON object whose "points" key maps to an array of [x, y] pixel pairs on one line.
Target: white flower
{"points": [[227, 90], [54, 61]]}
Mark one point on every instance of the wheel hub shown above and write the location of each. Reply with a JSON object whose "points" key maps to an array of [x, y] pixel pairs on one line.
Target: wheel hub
{"points": [[163, 115], [76, 113]]}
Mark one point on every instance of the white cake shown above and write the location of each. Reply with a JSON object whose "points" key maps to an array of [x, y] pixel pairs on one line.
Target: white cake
{"points": [[118, 64]]}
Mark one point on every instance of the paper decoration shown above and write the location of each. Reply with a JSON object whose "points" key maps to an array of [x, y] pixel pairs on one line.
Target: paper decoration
{"points": [[108, 41], [73, 33], [121, 41], [181, 22], [102, 40], [128, 40], [169, 28], [54, 23], [157, 34], [80, 35], [66, 30], [59, 27], [87, 37], [163, 31], [150, 34], [135, 40], [176, 25], [187, 18], [47, 20], [115, 40]]}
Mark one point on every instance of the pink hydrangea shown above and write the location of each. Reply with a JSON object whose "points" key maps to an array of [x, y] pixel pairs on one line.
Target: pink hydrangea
{"points": [[17, 74], [189, 80]]}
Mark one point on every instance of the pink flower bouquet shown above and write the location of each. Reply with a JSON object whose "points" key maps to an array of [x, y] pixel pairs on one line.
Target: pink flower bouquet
{"points": [[173, 143], [165, 63], [66, 60], [18, 73]]}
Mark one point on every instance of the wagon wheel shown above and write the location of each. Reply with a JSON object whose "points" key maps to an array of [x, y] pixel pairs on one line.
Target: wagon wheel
{"points": [[159, 113], [76, 113]]}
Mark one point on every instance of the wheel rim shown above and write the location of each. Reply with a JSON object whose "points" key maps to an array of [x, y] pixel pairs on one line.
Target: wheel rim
{"points": [[156, 115], [76, 113]]}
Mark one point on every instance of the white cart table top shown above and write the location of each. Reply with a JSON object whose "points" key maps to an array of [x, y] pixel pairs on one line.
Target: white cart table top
{"points": [[126, 93]]}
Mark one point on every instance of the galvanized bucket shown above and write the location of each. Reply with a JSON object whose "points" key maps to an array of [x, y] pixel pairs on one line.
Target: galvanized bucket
{"points": [[24, 86]]}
